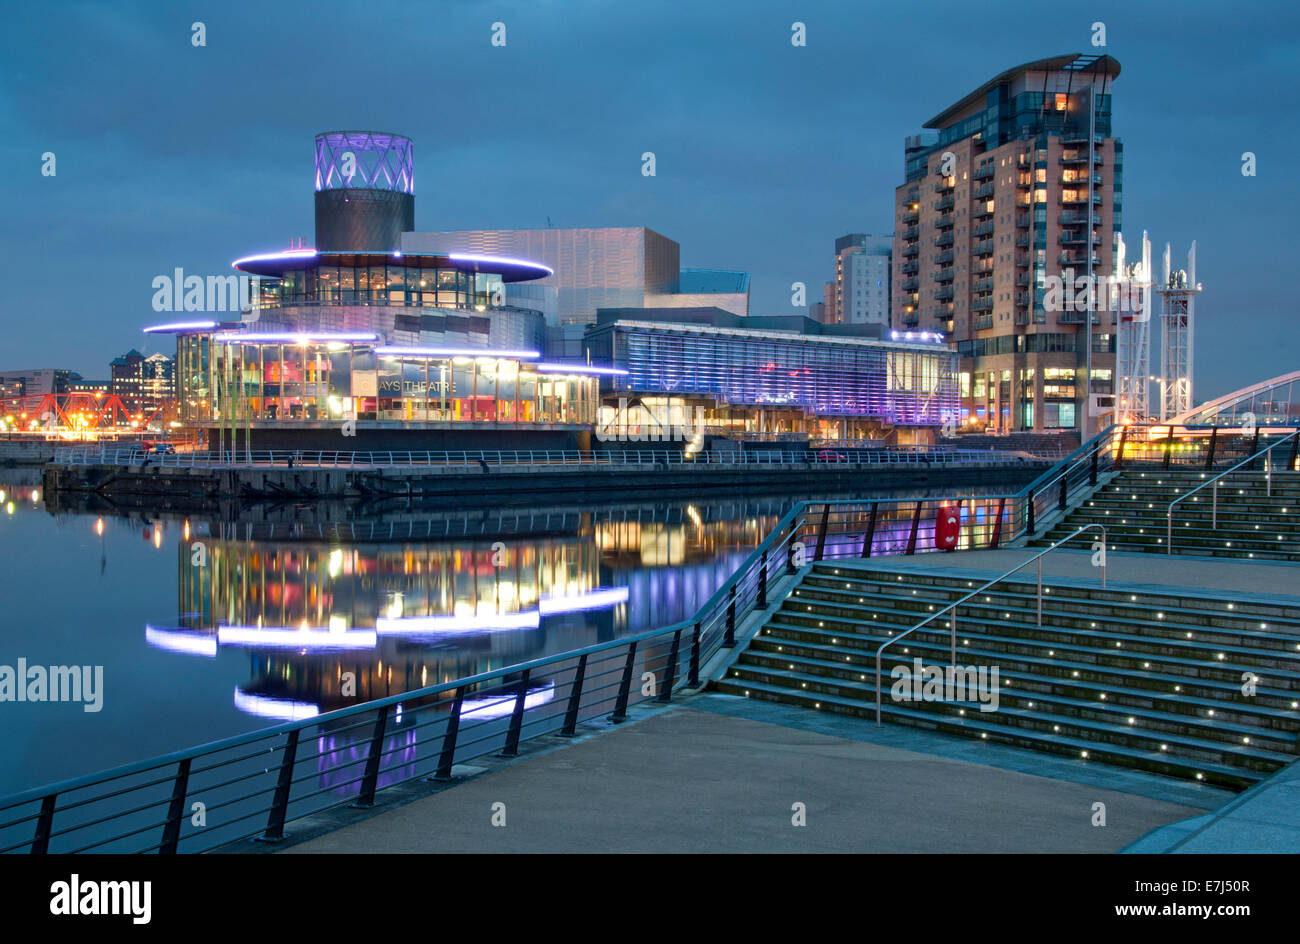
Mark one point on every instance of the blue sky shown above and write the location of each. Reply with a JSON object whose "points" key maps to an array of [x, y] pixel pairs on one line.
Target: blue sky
{"points": [[170, 155]]}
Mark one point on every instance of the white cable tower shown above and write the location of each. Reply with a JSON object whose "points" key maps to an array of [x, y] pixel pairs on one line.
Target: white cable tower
{"points": [[1131, 296], [1177, 307]]}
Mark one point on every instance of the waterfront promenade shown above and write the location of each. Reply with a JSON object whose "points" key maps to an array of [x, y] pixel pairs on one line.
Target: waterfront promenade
{"points": [[719, 773]]}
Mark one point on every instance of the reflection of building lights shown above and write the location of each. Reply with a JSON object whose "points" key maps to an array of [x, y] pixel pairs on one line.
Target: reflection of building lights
{"points": [[281, 709], [180, 640], [336, 562], [593, 600], [157, 537], [414, 625], [99, 526], [288, 637], [502, 706]]}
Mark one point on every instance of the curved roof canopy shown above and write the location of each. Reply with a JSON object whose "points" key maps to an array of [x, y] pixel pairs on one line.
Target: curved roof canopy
{"points": [[292, 260], [1086, 65]]}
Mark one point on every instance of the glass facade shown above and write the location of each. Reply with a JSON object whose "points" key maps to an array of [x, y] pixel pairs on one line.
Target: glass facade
{"points": [[383, 285], [901, 384], [330, 381]]}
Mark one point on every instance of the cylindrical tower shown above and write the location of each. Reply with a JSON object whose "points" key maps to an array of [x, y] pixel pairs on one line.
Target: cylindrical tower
{"points": [[365, 191]]}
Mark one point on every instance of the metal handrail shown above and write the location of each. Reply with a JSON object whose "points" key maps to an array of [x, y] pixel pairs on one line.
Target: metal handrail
{"points": [[1214, 509], [956, 603]]}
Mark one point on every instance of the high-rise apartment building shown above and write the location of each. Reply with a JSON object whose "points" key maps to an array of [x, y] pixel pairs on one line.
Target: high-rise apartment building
{"points": [[1017, 193], [144, 384], [863, 279]]}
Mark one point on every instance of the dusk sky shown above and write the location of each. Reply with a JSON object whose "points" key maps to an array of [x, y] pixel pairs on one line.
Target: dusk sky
{"points": [[174, 156]]}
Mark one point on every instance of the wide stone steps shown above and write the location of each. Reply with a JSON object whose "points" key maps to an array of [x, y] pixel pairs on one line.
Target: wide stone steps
{"points": [[1139, 678]]}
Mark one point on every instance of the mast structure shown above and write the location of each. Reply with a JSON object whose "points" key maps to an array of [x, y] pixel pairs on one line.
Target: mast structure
{"points": [[1132, 298], [1177, 310]]}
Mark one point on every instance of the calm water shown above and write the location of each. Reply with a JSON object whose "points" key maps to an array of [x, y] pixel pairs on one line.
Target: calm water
{"points": [[189, 616]]}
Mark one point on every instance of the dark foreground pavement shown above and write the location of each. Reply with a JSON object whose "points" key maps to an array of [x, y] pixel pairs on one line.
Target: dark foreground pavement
{"points": [[689, 780]]}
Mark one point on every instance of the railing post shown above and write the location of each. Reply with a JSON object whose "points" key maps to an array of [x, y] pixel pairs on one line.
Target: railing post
{"points": [[1092, 468], [916, 524], [693, 680], [821, 532], [670, 674], [516, 719], [172, 828], [1040, 591], [366, 798], [1030, 525], [624, 686], [575, 698], [762, 581], [44, 826], [1065, 485], [729, 640], [871, 531], [1169, 447], [1209, 452], [1119, 455], [447, 754], [274, 831], [997, 525], [1254, 445]]}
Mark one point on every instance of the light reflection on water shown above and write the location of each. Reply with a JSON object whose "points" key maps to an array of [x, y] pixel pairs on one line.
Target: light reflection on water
{"points": [[209, 628]]}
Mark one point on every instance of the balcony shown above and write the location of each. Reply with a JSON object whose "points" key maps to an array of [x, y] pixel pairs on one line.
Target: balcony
{"points": [[1022, 241], [983, 247], [1080, 157], [943, 294], [1022, 280], [911, 285], [911, 319], [1078, 197], [945, 184], [945, 258], [1022, 318], [1022, 299], [945, 274], [1079, 179], [1022, 221], [911, 268], [982, 285], [1022, 260], [982, 304], [984, 171], [983, 191], [1078, 257], [946, 203], [982, 211], [911, 215], [1077, 238], [944, 239], [983, 322], [982, 266], [912, 232], [1070, 317], [1078, 219], [983, 229], [911, 250]]}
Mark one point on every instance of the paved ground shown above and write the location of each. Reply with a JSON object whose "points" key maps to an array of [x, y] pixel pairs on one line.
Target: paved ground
{"points": [[690, 780]]}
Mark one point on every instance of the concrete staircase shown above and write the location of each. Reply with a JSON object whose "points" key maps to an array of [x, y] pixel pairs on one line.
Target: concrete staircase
{"points": [[1251, 524], [1131, 677]]}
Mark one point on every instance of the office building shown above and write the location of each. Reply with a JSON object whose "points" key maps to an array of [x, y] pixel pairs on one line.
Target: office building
{"points": [[863, 285]]}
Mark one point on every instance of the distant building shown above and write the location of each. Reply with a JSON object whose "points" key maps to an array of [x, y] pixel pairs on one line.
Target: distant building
{"points": [[144, 384], [863, 278], [36, 382]]}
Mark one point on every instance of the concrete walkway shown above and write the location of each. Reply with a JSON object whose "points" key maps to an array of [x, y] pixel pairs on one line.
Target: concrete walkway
{"points": [[689, 780]]}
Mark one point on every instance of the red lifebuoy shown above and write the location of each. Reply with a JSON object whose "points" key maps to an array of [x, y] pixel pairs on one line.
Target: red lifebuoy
{"points": [[947, 528]]}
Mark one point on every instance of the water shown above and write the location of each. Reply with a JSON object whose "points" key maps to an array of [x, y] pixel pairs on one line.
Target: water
{"points": [[208, 628]]}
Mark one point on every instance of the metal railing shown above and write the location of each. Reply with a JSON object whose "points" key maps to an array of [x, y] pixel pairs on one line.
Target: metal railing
{"points": [[252, 784], [952, 622], [1265, 454], [327, 459]]}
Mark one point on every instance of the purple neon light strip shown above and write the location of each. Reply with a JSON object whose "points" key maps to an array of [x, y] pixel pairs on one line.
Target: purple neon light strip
{"points": [[579, 369], [385, 350], [180, 326], [294, 337], [269, 256], [466, 257]]}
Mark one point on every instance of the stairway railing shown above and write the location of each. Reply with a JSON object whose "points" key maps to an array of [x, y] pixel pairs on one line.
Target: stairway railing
{"points": [[952, 623], [1214, 503]]}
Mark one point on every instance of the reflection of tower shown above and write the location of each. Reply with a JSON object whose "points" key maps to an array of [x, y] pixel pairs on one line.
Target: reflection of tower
{"points": [[1177, 306], [1133, 344]]}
